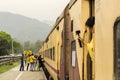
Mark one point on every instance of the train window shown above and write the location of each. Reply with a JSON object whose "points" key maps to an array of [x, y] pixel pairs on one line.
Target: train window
{"points": [[57, 28], [72, 25], [50, 51], [117, 50], [48, 54], [61, 55], [53, 53], [45, 53], [73, 46]]}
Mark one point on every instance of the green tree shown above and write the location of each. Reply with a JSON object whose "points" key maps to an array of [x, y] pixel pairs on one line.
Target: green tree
{"points": [[5, 43], [34, 47], [17, 47], [37, 46], [27, 45]]}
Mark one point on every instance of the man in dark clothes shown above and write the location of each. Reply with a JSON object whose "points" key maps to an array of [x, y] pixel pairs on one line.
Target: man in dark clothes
{"points": [[22, 63], [40, 61]]}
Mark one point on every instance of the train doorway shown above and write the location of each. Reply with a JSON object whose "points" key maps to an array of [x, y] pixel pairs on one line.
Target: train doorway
{"points": [[117, 50], [73, 68], [88, 72], [90, 55], [89, 67]]}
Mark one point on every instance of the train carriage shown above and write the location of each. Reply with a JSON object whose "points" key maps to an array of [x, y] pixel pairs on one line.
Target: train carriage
{"points": [[52, 48], [84, 42]]}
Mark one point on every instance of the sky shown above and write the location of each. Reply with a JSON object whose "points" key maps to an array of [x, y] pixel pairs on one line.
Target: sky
{"points": [[38, 9]]}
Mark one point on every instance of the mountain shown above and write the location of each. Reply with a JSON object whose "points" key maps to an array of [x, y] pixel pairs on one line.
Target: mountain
{"points": [[23, 28], [51, 23]]}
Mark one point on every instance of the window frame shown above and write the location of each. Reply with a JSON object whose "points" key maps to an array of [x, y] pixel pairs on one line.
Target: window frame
{"points": [[73, 53], [116, 52]]}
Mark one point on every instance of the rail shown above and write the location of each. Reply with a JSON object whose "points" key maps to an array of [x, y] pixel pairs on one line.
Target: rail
{"points": [[5, 59]]}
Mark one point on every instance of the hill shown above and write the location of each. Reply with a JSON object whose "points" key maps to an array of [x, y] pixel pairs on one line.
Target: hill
{"points": [[23, 28]]}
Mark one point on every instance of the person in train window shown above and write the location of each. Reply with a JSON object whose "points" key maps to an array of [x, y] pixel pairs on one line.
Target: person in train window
{"points": [[22, 63], [90, 46]]}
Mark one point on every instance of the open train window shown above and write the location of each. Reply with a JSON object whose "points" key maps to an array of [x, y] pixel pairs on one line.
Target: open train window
{"points": [[117, 50], [72, 26], [61, 56], [50, 52], [73, 53], [53, 53]]}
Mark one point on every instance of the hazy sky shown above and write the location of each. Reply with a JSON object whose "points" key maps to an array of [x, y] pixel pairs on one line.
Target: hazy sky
{"points": [[39, 9]]}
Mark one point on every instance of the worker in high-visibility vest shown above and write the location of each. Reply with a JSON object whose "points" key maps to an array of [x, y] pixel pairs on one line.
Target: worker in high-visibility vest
{"points": [[31, 59]]}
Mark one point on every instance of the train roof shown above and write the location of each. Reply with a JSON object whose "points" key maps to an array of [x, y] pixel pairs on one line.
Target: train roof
{"points": [[71, 3], [56, 23]]}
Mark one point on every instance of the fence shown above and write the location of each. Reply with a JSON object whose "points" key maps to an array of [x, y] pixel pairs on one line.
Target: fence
{"points": [[5, 59]]}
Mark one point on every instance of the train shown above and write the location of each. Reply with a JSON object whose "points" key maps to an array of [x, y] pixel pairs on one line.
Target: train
{"points": [[84, 43]]}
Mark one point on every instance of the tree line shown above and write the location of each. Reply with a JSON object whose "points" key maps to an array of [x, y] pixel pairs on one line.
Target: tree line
{"points": [[8, 45]]}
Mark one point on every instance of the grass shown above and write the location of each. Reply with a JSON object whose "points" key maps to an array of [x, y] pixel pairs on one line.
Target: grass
{"points": [[7, 66]]}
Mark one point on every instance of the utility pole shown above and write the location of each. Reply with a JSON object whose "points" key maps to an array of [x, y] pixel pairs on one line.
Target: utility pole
{"points": [[12, 47], [23, 48]]}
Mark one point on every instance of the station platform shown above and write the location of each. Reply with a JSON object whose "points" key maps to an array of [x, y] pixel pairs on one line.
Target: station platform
{"points": [[15, 74]]}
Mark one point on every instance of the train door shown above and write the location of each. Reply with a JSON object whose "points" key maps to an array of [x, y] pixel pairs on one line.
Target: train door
{"points": [[74, 70], [89, 48], [117, 50], [88, 57]]}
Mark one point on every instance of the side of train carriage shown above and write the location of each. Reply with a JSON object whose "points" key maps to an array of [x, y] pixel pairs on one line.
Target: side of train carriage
{"points": [[84, 42]]}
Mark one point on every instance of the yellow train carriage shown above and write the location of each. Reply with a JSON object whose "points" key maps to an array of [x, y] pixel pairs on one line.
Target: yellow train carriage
{"points": [[50, 55], [52, 48], [84, 43]]}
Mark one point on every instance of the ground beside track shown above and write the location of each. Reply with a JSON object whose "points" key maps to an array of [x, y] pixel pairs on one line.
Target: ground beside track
{"points": [[15, 74]]}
